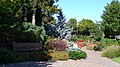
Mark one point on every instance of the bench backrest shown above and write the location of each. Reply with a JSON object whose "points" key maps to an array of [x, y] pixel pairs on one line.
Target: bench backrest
{"points": [[27, 46]]}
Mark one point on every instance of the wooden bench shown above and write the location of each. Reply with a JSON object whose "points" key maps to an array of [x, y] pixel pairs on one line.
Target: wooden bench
{"points": [[27, 46]]}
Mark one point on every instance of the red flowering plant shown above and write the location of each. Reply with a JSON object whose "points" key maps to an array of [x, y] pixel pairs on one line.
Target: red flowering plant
{"points": [[57, 45], [81, 43]]}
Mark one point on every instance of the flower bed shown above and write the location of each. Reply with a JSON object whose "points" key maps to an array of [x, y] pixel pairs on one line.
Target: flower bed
{"points": [[81, 43], [58, 55]]}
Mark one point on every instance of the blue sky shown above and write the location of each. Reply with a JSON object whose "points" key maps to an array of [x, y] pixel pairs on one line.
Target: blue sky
{"points": [[79, 9]]}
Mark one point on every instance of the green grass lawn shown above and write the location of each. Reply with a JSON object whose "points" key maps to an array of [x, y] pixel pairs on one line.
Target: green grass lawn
{"points": [[116, 59]]}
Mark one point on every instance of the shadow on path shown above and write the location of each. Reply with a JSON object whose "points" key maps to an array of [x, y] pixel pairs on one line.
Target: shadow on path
{"points": [[29, 64]]}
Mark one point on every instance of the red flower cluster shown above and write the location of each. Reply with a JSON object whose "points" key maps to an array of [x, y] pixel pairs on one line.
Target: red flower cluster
{"points": [[80, 43]]}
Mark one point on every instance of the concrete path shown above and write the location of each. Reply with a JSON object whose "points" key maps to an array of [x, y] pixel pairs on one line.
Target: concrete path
{"points": [[93, 59]]}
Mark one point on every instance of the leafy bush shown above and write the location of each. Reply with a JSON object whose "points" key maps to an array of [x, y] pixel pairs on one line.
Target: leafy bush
{"points": [[110, 42], [88, 47], [98, 47], [58, 55], [77, 55], [18, 32], [27, 32], [57, 45], [39, 55], [116, 59], [111, 52], [119, 42], [78, 37], [6, 56], [35, 55]]}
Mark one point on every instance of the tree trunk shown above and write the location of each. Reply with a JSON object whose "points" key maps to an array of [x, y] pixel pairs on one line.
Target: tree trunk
{"points": [[38, 17], [33, 19]]}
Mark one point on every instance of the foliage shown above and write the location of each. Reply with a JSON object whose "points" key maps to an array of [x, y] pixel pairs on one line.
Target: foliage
{"points": [[116, 59], [98, 47], [39, 55], [51, 30], [81, 37], [111, 52], [97, 33], [86, 26], [110, 42], [118, 41], [6, 56], [105, 42], [37, 32], [90, 47], [24, 10], [8, 11], [59, 29], [59, 55], [32, 56], [61, 17], [25, 32], [72, 23], [57, 45], [111, 21], [77, 55], [61, 26], [13, 14], [6, 35]]}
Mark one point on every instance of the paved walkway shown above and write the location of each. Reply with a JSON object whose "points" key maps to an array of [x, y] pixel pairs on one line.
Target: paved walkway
{"points": [[93, 59]]}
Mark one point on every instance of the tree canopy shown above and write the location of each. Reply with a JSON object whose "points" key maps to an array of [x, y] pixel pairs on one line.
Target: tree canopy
{"points": [[111, 19], [23, 20], [86, 26], [72, 22], [24, 10]]}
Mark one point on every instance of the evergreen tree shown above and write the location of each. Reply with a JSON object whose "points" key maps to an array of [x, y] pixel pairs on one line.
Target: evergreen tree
{"points": [[64, 31], [111, 19]]}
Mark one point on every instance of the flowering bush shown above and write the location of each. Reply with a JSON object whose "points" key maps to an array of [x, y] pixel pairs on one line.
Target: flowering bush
{"points": [[90, 47], [57, 45], [58, 55], [81, 43]]}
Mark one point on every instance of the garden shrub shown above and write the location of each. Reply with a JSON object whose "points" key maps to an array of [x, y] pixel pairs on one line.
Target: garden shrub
{"points": [[6, 56], [34, 55], [20, 32], [98, 47], [77, 55], [58, 55], [116, 59], [80, 37], [22, 56], [110, 42], [119, 42], [88, 47], [57, 45], [27, 32], [111, 52], [39, 55]]}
